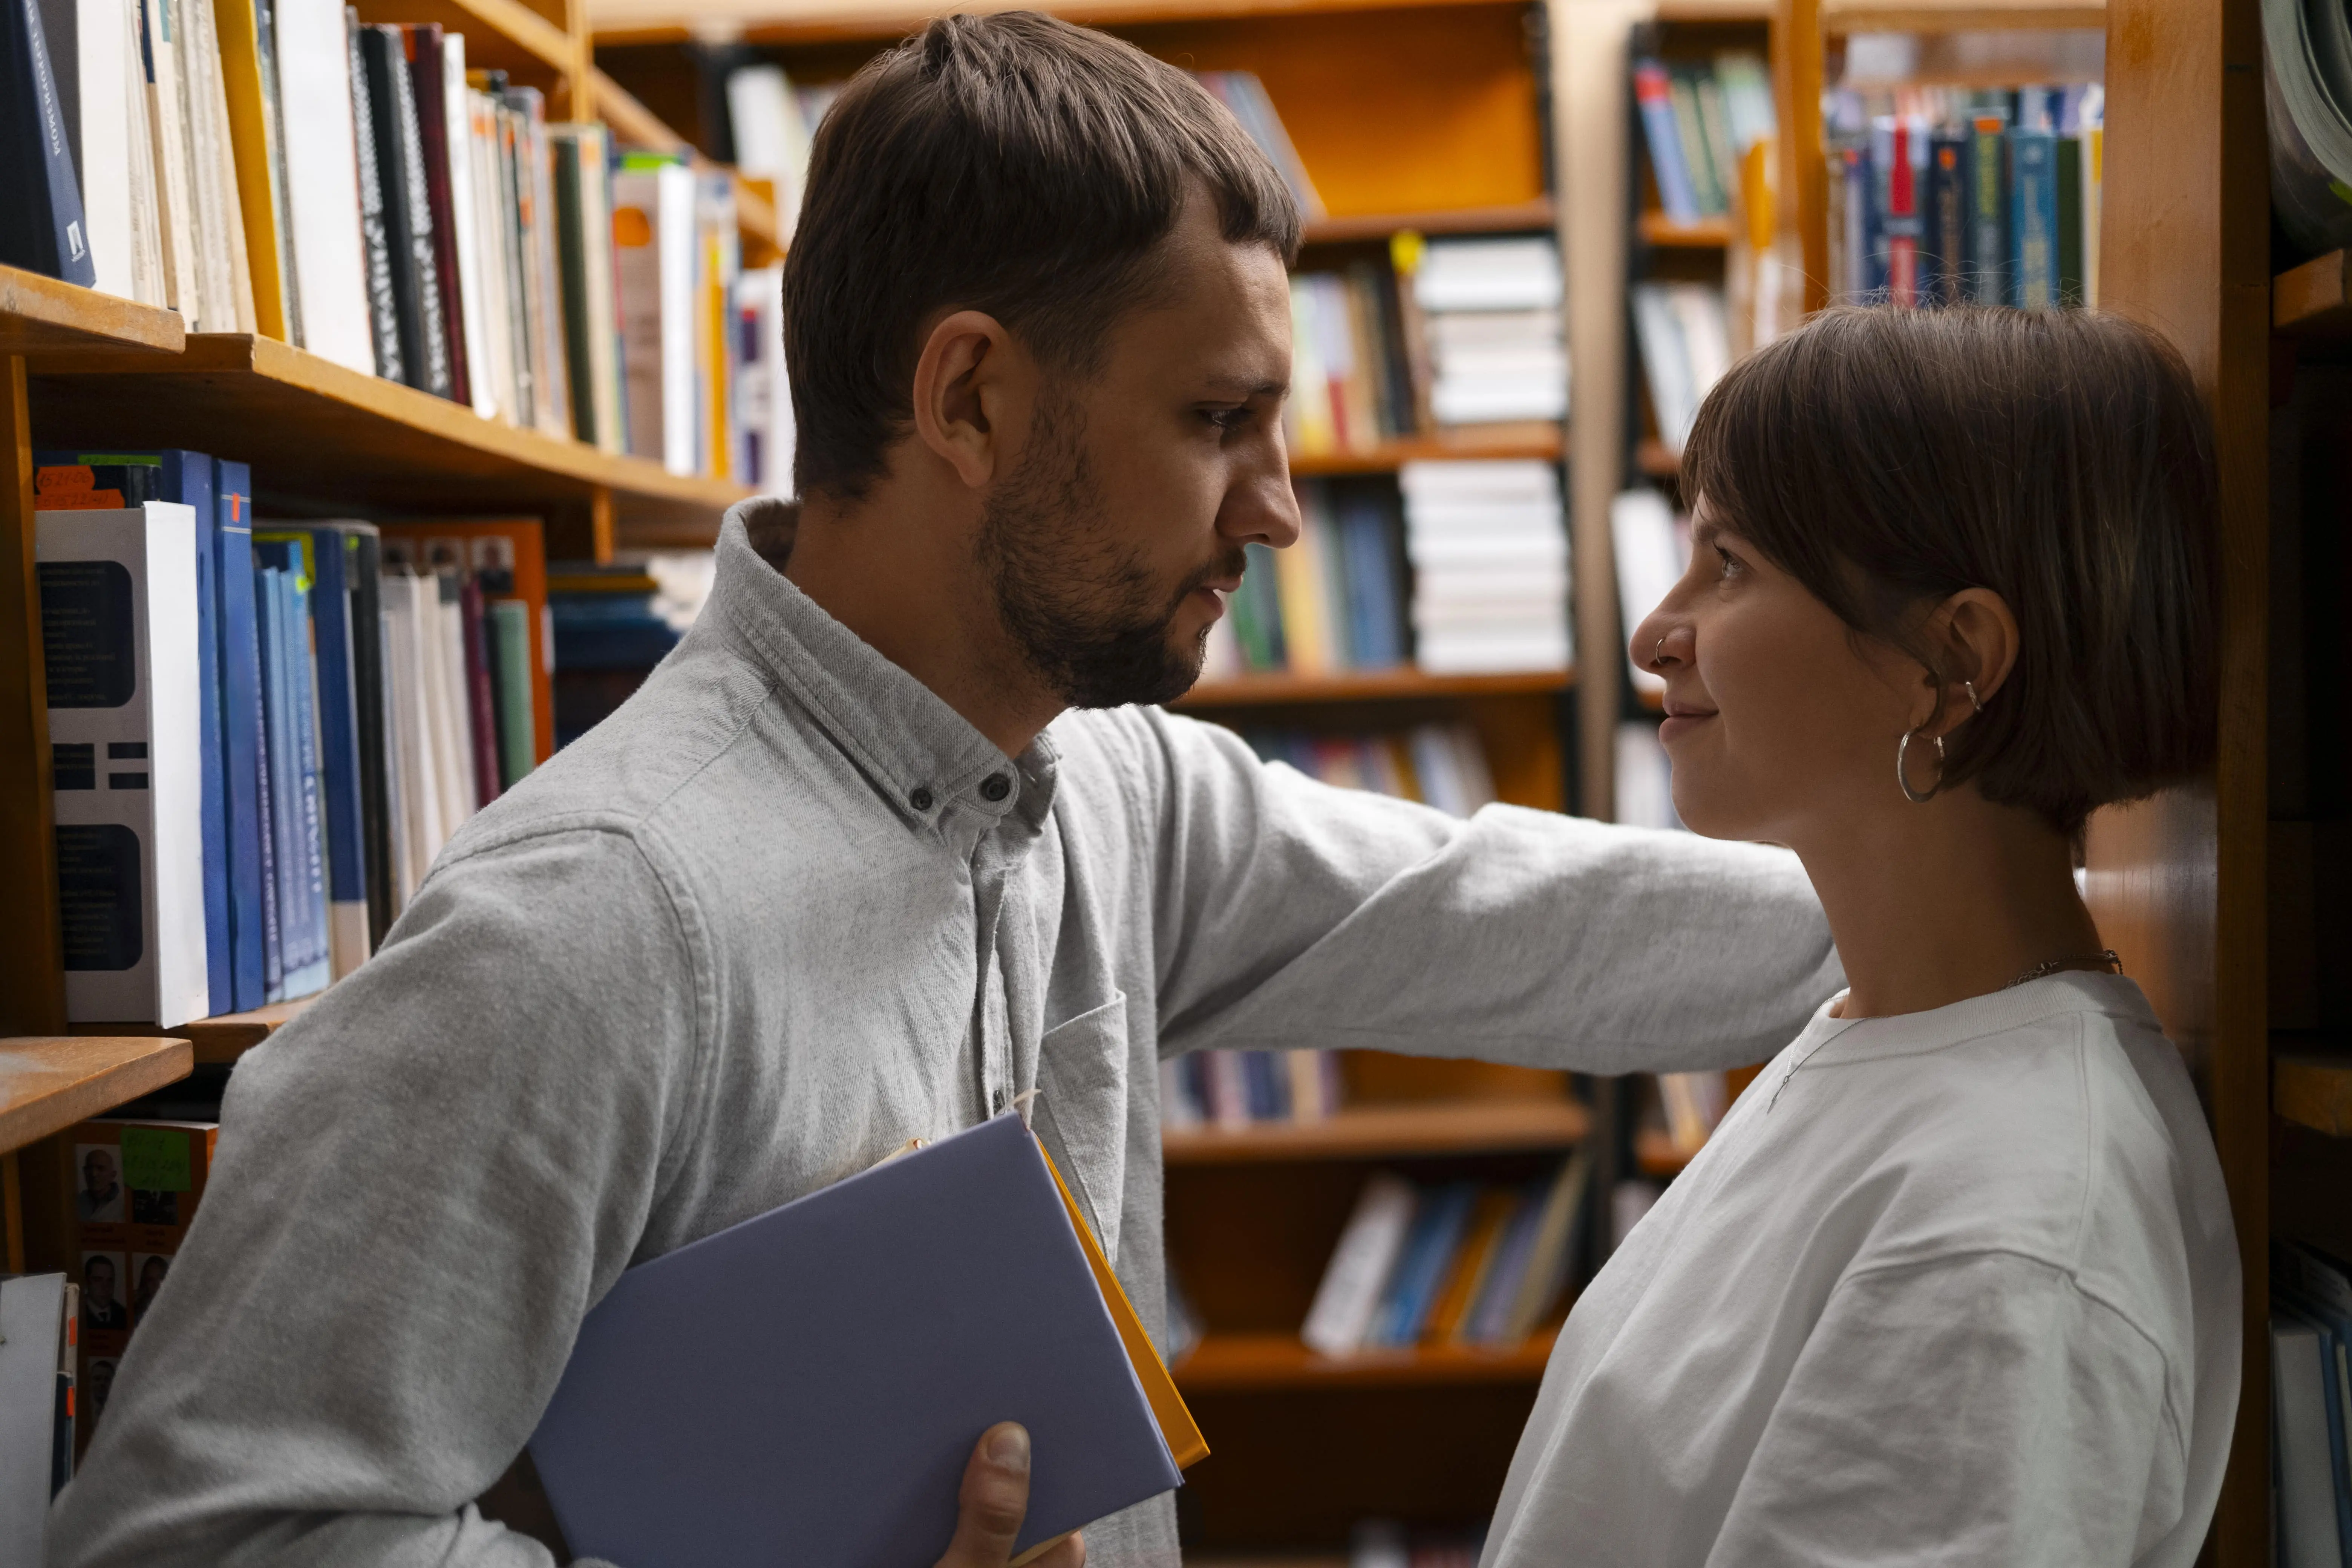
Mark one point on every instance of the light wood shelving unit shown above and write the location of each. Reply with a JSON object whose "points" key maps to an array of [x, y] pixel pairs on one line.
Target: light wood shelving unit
{"points": [[1387, 1132], [1259, 1362]]}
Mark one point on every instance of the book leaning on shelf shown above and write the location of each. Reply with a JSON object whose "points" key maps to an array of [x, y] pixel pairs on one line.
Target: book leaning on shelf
{"points": [[2311, 1405], [39, 1370]]}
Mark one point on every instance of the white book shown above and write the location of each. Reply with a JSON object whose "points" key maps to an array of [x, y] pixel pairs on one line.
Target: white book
{"points": [[117, 180], [1360, 1267], [409, 721], [456, 109], [1453, 331], [445, 666], [1509, 274], [1650, 561], [493, 229], [2304, 1466], [221, 265], [34, 1343], [771, 138], [1492, 651], [1489, 399], [1665, 362], [322, 182], [118, 612], [654, 225], [1484, 479], [763, 391]]}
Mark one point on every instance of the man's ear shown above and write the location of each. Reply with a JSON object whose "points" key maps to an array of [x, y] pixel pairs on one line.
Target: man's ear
{"points": [[963, 391]]}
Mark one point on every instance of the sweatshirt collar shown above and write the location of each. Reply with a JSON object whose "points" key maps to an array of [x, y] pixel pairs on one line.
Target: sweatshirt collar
{"points": [[923, 757]]}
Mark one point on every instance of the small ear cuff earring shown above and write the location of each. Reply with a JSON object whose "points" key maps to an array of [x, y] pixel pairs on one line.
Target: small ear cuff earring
{"points": [[1970, 688]]}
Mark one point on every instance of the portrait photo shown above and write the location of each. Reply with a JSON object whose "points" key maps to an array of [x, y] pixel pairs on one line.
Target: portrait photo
{"points": [[103, 1278], [99, 1168]]}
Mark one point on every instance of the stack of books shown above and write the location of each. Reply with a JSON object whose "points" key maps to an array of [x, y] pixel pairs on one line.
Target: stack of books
{"points": [[1939, 195], [1489, 544], [1438, 765], [1699, 121], [1491, 310], [353, 190], [1334, 600], [263, 732], [1235, 1088], [1454, 1264]]}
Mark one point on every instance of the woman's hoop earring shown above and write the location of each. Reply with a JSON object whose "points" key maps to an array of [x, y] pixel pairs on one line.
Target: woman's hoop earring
{"points": [[1902, 774]]}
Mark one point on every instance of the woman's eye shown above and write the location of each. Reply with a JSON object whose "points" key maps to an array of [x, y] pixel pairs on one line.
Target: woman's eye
{"points": [[1728, 564]]}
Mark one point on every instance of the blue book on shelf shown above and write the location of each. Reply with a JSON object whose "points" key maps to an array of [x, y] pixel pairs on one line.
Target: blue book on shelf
{"points": [[309, 966], [1987, 211], [339, 736], [807, 1386], [269, 623], [41, 220], [2033, 218], [171, 475], [1491, 1313], [241, 761], [1448, 1213], [1654, 91], [1368, 567]]}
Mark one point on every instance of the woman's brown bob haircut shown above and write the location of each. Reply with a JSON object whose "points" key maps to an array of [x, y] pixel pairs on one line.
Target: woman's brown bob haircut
{"points": [[1889, 458], [1010, 163]]}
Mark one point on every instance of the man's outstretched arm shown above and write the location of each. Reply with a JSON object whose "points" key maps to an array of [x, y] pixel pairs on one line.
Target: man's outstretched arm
{"points": [[1293, 914]]}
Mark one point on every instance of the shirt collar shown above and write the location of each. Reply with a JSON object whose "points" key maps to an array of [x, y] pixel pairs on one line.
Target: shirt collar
{"points": [[923, 757], [2069, 990]]}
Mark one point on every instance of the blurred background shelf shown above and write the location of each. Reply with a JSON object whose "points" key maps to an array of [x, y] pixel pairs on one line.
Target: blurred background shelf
{"points": [[1368, 686], [2314, 299], [1252, 1362], [1386, 1132]]}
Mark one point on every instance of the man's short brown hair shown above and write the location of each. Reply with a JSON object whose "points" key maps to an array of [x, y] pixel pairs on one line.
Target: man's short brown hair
{"points": [[1890, 458], [1010, 163]]}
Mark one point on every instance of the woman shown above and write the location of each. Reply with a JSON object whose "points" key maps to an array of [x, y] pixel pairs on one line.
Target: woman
{"points": [[1955, 1280]]}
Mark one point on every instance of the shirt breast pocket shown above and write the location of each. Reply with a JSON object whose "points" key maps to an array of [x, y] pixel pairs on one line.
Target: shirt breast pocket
{"points": [[1081, 1110]]}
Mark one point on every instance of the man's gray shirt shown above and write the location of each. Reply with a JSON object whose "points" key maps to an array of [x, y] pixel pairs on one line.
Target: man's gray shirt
{"points": [[783, 912]]}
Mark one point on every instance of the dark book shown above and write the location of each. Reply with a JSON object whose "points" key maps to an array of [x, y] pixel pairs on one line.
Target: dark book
{"points": [[2069, 222], [240, 658], [407, 214], [1987, 269], [1944, 257], [2032, 219], [572, 241], [427, 72], [481, 710], [364, 564], [375, 236], [41, 227], [335, 633]]}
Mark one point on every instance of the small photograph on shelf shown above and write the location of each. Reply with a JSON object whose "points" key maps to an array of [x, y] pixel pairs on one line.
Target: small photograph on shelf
{"points": [[1460, 1264], [1943, 194], [100, 1195], [102, 1277], [148, 1272]]}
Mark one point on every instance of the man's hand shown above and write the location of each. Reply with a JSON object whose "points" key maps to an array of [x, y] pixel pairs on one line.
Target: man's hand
{"points": [[992, 1503]]}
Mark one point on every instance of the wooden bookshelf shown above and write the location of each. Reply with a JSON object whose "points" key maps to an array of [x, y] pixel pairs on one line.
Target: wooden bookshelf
{"points": [[49, 1082], [1654, 1153], [1707, 234], [312, 427], [42, 316], [1957, 15], [1385, 1133], [1507, 218], [2314, 299], [1535, 442], [639, 22], [500, 34], [220, 1040], [1655, 458], [1252, 1362], [2314, 1092], [1368, 686]]}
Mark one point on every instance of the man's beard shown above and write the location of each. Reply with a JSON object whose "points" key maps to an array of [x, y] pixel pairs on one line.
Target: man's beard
{"points": [[1086, 612]]}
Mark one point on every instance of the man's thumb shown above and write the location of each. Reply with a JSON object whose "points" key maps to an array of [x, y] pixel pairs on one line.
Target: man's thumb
{"points": [[993, 1502]]}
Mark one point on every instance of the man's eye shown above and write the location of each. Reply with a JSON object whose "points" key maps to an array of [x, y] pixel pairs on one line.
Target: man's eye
{"points": [[1227, 418]]}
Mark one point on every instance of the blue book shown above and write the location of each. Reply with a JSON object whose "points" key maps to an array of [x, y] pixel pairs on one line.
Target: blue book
{"points": [[2033, 219], [241, 759], [1944, 257], [1424, 1270], [808, 1385], [1654, 91], [187, 478], [291, 949], [41, 220], [308, 961], [328, 567], [1368, 567]]}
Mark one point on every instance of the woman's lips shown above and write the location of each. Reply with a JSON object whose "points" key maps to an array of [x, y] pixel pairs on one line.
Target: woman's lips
{"points": [[1681, 718]]}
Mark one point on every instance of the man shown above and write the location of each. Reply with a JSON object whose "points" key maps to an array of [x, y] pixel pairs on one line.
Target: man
{"points": [[99, 1309], [102, 1193], [845, 873]]}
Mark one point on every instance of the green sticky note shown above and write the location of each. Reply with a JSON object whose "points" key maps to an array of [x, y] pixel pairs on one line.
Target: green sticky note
{"points": [[156, 1160]]}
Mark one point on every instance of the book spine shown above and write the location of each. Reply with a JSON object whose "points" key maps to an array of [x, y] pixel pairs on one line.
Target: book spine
{"points": [[422, 44], [1655, 96], [1358, 1274], [362, 552], [2033, 218], [41, 225], [383, 296], [118, 631], [2069, 193], [167, 132], [1707, 182], [241, 745], [510, 620], [279, 919], [1948, 189], [337, 731], [481, 707], [220, 917], [1989, 272], [310, 885], [249, 93], [1902, 222], [412, 196], [382, 130], [573, 239]]}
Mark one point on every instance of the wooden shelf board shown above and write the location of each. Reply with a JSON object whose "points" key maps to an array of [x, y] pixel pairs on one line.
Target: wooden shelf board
{"points": [[221, 1039], [1957, 15], [1381, 1131], [619, 22], [2314, 299], [49, 1082], [1368, 686], [1249, 1362], [1531, 441], [1761, 12], [500, 34], [1654, 458], [2314, 1091], [312, 429], [1513, 217], [1654, 1152], [1707, 234], [42, 316]]}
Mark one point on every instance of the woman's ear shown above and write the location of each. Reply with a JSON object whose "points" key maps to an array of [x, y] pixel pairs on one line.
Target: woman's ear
{"points": [[960, 393], [1975, 635]]}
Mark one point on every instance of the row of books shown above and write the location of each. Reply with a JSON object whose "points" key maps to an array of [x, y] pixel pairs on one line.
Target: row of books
{"points": [[2311, 1406], [1488, 544], [1438, 765], [1700, 120], [1334, 600], [40, 1367], [353, 189], [1450, 1263], [263, 732], [1691, 1105], [1685, 339], [1943, 196], [1235, 1088]]}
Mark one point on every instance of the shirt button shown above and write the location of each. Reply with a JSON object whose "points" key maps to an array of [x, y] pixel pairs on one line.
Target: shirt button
{"points": [[995, 787], [921, 799], [996, 1101]]}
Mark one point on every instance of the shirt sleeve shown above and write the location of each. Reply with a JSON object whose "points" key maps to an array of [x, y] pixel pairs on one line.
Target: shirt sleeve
{"points": [[421, 1186], [1979, 1412], [1291, 913]]}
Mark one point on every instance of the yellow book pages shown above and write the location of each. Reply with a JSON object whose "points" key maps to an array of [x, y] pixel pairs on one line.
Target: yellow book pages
{"points": [[1298, 584], [1461, 1289], [1176, 1424], [249, 134]]}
